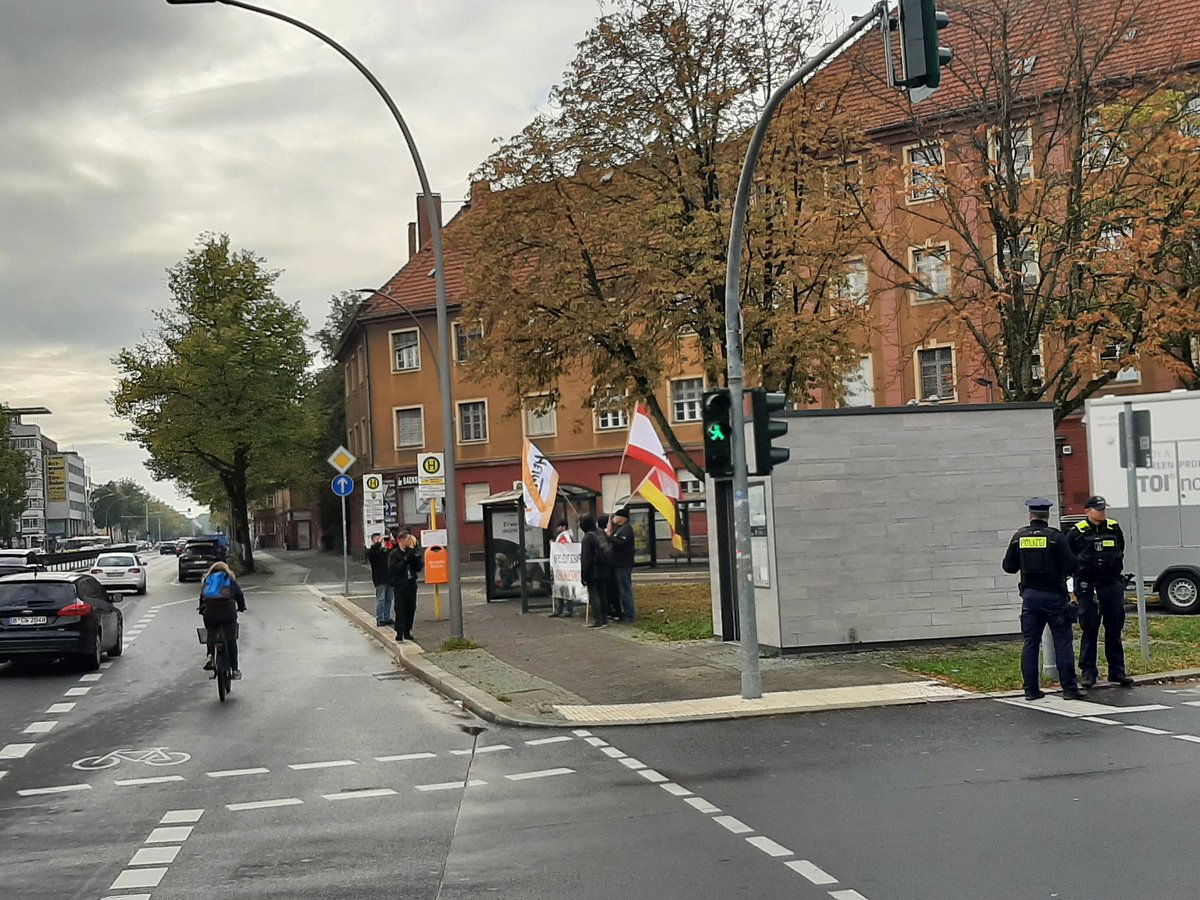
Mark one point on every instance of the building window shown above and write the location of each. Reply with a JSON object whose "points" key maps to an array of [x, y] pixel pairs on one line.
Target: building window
{"points": [[1101, 146], [1114, 236], [1031, 272], [931, 266], [410, 427], [541, 416], [406, 350], [686, 394], [473, 497], [362, 363], [852, 285], [689, 483], [923, 163], [408, 506], [348, 372], [1189, 118], [472, 422], [1036, 371], [1112, 354], [464, 337], [612, 409], [613, 489], [937, 373], [859, 385], [1022, 151]]}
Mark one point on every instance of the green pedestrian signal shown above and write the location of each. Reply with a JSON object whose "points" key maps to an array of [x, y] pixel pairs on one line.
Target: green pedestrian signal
{"points": [[718, 451]]}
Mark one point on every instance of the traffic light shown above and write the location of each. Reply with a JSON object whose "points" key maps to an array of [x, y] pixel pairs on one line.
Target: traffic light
{"points": [[921, 58], [766, 430], [718, 432]]}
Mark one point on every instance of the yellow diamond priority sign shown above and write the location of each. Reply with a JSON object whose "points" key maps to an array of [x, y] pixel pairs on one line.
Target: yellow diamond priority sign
{"points": [[342, 459]]}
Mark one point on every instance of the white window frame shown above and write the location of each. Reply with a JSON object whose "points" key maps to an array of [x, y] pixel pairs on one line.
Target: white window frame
{"points": [[459, 416], [475, 334], [1037, 366], [858, 294], [689, 484], [1113, 236], [362, 363], [1101, 149], [1189, 118], [416, 333], [923, 174], [1031, 268], [396, 410], [472, 508], [675, 403], [866, 361], [920, 372], [1127, 375], [528, 412], [612, 405], [1023, 170], [928, 294]]}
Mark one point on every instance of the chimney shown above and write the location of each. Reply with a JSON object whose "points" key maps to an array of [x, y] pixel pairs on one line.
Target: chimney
{"points": [[412, 239], [423, 232], [478, 193]]}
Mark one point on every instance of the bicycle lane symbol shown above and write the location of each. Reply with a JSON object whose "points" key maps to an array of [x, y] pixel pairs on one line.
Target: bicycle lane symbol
{"points": [[153, 756]]}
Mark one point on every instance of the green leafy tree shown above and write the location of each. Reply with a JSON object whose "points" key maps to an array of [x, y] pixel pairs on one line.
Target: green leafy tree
{"points": [[13, 468], [216, 394]]}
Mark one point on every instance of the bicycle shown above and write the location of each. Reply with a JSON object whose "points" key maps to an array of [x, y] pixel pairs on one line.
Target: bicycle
{"points": [[222, 670]]}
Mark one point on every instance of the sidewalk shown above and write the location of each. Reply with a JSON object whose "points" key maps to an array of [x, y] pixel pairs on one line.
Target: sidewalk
{"points": [[534, 670]]}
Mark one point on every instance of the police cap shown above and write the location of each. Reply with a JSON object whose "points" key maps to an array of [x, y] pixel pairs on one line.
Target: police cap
{"points": [[1038, 504], [1095, 503]]}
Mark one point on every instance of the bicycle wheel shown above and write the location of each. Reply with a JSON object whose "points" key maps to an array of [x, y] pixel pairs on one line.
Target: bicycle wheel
{"points": [[221, 664]]}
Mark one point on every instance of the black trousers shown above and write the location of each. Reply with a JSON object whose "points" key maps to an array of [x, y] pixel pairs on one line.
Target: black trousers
{"points": [[612, 595], [1039, 609], [231, 647], [406, 607], [598, 600], [1101, 604]]}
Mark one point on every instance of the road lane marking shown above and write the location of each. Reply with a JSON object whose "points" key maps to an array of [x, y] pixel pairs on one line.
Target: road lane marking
{"points": [[405, 756], [177, 816], [361, 793], [93, 676], [737, 826], [128, 897], [543, 773], [702, 805], [1187, 737], [581, 732], [39, 727], [155, 856], [106, 665], [60, 708], [612, 752], [77, 692], [631, 763], [169, 834], [846, 895], [331, 764], [264, 804], [596, 742], [139, 878], [813, 873], [61, 789], [675, 790], [233, 773], [554, 740], [450, 785], [491, 748], [15, 751], [769, 847], [1188, 702], [161, 779], [1102, 721], [1145, 729], [653, 776], [1149, 707]]}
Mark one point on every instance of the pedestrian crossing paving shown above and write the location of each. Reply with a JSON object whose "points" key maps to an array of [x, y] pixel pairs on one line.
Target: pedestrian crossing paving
{"points": [[1161, 712]]}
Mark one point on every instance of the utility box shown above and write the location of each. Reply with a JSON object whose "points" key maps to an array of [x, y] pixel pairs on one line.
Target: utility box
{"points": [[889, 525]]}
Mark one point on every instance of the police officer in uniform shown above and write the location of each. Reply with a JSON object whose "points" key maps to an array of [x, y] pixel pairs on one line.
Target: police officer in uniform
{"points": [[1100, 589], [1044, 558]]}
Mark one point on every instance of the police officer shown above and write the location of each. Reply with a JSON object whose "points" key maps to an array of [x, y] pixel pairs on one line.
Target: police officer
{"points": [[1100, 589], [1044, 558]]}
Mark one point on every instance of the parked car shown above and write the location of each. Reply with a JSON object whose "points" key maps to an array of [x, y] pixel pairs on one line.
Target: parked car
{"points": [[13, 561], [119, 571], [197, 556], [59, 614]]}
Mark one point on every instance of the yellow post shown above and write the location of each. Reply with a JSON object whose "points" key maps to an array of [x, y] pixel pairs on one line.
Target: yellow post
{"points": [[437, 588]]}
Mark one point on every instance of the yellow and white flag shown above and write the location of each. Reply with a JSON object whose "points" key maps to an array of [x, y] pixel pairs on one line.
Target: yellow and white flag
{"points": [[539, 481], [660, 487]]}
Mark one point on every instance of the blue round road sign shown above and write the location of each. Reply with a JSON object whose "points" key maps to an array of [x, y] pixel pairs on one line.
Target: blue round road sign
{"points": [[343, 485]]}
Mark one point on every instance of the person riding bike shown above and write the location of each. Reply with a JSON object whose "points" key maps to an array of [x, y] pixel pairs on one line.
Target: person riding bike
{"points": [[221, 599]]}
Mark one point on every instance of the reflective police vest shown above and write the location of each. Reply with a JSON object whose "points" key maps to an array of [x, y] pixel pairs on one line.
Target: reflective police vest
{"points": [[1100, 551], [1037, 565]]}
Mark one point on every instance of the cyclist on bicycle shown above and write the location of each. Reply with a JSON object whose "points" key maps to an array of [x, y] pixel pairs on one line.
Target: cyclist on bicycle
{"points": [[221, 599]]}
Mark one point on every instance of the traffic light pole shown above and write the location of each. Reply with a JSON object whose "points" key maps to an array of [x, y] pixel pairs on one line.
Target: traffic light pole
{"points": [[736, 376]]}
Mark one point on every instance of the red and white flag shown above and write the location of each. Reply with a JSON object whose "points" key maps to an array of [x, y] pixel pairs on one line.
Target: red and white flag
{"points": [[660, 487]]}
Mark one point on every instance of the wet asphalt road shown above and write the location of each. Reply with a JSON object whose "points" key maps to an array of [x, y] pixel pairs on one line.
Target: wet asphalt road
{"points": [[328, 774]]}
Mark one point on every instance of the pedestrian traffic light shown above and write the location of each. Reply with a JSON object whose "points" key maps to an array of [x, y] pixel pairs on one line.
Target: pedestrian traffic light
{"points": [[766, 430], [718, 432], [921, 57]]}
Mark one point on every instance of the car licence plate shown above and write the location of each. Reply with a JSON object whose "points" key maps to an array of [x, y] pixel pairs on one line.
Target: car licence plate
{"points": [[28, 620]]}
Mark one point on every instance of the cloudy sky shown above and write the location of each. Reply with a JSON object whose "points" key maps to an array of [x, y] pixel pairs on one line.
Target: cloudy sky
{"points": [[129, 127]]}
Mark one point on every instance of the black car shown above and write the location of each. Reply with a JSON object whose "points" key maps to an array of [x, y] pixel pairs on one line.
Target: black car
{"points": [[196, 557], [167, 548], [58, 614], [15, 561]]}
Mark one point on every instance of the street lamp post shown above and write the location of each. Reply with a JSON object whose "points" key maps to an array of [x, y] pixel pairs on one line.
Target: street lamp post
{"points": [[437, 364], [443, 318]]}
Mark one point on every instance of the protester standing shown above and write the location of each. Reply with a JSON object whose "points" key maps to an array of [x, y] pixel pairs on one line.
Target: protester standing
{"points": [[404, 565], [377, 555], [622, 543], [595, 568], [610, 587]]}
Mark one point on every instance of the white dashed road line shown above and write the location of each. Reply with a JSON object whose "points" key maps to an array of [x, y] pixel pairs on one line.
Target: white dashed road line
{"points": [[139, 878], [77, 692], [768, 846], [815, 874], [405, 756], [233, 773], [1187, 737], [331, 764], [161, 779], [181, 817], [39, 727], [544, 773], [59, 708], [702, 805], [1146, 729], [264, 804], [550, 740], [91, 676], [450, 785], [155, 856], [149, 864], [60, 789], [15, 751], [737, 826], [167, 834], [360, 794], [491, 748]]}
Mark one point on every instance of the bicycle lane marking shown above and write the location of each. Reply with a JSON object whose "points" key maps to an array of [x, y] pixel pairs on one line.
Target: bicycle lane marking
{"points": [[149, 864]]}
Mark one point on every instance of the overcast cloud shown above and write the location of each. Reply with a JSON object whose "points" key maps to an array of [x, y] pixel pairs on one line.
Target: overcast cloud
{"points": [[128, 127]]}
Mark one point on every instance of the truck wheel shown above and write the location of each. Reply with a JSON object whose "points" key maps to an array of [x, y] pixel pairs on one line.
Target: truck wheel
{"points": [[1181, 593]]}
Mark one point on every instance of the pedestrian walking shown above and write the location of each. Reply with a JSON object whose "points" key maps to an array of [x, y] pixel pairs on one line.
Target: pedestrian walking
{"points": [[377, 555], [1099, 544], [595, 568], [404, 564], [1044, 559], [621, 539]]}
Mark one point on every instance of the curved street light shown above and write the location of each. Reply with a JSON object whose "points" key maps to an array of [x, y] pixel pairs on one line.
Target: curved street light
{"points": [[443, 318], [437, 363]]}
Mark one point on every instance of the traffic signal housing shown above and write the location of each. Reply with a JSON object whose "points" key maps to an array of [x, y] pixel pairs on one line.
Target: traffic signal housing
{"points": [[718, 433], [766, 430], [921, 57]]}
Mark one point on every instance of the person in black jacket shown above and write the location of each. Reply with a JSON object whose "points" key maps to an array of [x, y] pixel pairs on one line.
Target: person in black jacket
{"points": [[595, 568], [1044, 559], [621, 539], [610, 588], [1100, 589], [404, 564], [221, 599], [377, 556]]}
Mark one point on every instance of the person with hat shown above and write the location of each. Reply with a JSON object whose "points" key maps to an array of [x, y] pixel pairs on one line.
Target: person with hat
{"points": [[1044, 559], [1099, 544], [621, 540]]}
